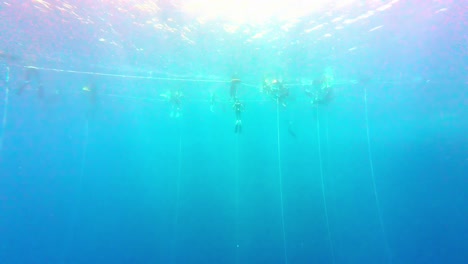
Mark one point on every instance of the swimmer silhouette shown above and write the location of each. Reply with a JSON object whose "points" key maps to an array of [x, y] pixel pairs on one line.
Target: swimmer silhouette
{"points": [[31, 76]]}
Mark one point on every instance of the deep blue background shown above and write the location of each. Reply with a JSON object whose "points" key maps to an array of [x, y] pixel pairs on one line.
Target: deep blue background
{"points": [[124, 208]]}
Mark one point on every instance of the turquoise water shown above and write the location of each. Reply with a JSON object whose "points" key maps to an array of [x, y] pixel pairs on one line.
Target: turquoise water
{"points": [[104, 168]]}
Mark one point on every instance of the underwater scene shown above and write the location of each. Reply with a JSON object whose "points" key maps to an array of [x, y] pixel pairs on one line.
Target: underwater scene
{"points": [[233, 132]]}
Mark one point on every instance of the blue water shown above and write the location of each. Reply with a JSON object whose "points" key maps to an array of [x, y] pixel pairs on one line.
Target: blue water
{"points": [[376, 175]]}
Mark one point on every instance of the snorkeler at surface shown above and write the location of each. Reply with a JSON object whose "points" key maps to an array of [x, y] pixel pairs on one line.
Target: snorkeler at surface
{"points": [[238, 108], [234, 87], [7, 56], [325, 96], [283, 94], [321, 92], [313, 94], [31, 76], [280, 92], [266, 87]]}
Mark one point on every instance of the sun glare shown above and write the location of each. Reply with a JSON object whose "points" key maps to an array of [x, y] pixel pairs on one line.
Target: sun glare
{"points": [[259, 11]]}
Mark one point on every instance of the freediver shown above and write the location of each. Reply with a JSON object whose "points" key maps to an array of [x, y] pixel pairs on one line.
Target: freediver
{"points": [[174, 97], [238, 108]]}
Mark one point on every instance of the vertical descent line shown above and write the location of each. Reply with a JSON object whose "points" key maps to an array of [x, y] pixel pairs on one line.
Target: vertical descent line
{"points": [[280, 174], [237, 198], [371, 163], [324, 198], [178, 187]]}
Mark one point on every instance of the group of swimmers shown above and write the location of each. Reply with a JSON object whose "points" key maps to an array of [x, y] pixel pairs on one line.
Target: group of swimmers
{"points": [[319, 93]]}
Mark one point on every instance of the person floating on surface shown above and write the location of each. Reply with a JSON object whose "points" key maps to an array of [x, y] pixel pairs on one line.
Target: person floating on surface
{"points": [[321, 92], [31, 76], [8, 57], [280, 92], [266, 87]]}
